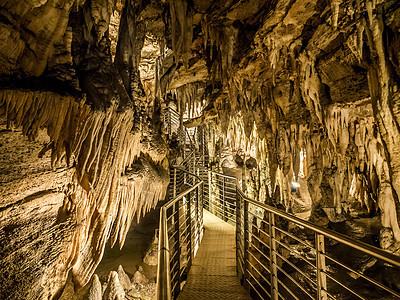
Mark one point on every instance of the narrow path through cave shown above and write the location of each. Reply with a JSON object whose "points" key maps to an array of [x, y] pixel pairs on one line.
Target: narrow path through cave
{"points": [[213, 273]]}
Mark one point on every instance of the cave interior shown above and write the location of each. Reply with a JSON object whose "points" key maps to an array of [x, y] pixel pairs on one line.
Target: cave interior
{"points": [[299, 99]]}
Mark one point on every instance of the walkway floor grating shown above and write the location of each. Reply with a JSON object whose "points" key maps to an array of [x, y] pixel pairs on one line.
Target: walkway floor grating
{"points": [[213, 272]]}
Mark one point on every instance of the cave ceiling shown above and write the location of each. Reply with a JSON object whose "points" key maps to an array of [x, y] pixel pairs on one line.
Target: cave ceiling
{"points": [[82, 82]]}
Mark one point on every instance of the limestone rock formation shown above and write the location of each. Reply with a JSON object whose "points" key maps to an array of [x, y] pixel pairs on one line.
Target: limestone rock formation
{"points": [[95, 291], [151, 256], [108, 159], [309, 89], [114, 289]]}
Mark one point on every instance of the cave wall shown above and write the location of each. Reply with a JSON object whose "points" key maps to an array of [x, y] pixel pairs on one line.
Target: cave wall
{"points": [[313, 76], [102, 157], [273, 78]]}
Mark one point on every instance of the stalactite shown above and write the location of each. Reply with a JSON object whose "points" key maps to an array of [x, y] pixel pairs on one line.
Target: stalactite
{"points": [[110, 187], [182, 30]]}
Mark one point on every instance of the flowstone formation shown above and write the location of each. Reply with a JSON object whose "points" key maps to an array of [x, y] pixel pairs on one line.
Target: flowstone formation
{"points": [[313, 86], [95, 157], [307, 88]]}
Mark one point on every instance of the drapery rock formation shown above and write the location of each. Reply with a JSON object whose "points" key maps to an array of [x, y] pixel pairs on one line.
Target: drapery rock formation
{"points": [[310, 88], [108, 158], [316, 79]]}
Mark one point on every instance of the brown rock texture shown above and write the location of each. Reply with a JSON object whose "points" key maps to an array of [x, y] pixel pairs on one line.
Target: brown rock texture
{"points": [[307, 88]]}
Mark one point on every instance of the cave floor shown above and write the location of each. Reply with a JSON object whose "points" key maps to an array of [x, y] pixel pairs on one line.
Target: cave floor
{"points": [[213, 272], [130, 257]]}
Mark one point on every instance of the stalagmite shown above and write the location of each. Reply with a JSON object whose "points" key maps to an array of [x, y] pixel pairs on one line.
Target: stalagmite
{"points": [[114, 290], [95, 291]]}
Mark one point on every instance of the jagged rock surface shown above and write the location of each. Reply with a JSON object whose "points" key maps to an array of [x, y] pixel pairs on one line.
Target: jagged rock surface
{"points": [[108, 159], [309, 88]]}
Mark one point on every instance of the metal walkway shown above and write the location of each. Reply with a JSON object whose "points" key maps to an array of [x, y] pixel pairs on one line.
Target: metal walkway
{"points": [[213, 272]]}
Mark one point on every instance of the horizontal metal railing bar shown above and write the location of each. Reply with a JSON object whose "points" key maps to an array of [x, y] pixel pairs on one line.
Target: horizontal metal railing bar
{"points": [[230, 201], [223, 187], [345, 287], [170, 230], [216, 207], [258, 239], [294, 237], [174, 286], [371, 280], [255, 279], [182, 216], [223, 175], [257, 217], [183, 224], [173, 246], [261, 264], [174, 275], [169, 218], [364, 247], [183, 270], [182, 234], [259, 250], [287, 289], [296, 268], [173, 267], [230, 218], [220, 201], [254, 289], [173, 256], [230, 189], [231, 209], [295, 282], [241, 265], [225, 184], [262, 231], [181, 195], [296, 254], [330, 295]]}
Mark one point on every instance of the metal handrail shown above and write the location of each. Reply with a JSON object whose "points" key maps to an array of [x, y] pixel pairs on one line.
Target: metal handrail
{"points": [[339, 237], [166, 288], [175, 215], [262, 248]]}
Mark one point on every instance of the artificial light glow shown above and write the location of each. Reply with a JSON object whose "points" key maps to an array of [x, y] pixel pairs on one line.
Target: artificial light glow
{"points": [[295, 185]]}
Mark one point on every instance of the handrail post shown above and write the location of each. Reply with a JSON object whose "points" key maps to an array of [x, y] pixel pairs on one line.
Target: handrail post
{"points": [[174, 191], [178, 247], [170, 123], [201, 207], [272, 253], [189, 231], [246, 244], [209, 190], [197, 219], [194, 164], [238, 232], [163, 267], [223, 199], [321, 267], [184, 175]]}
